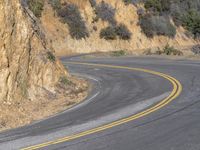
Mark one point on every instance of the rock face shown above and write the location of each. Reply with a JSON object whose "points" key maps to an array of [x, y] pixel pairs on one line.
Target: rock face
{"points": [[27, 65]]}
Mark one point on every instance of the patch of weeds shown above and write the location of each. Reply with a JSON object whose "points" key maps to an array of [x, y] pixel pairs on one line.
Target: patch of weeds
{"points": [[65, 81], [170, 50], [36, 6], [167, 50], [119, 53], [51, 57]]}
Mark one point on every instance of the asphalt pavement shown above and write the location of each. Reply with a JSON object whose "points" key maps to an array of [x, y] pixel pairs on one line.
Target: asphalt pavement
{"points": [[120, 93]]}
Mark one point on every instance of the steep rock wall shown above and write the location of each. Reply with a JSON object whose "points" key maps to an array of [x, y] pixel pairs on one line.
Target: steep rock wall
{"points": [[25, 70]]}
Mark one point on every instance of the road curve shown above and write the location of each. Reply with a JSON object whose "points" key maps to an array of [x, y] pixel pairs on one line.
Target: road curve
{"points": [[129, 108]]}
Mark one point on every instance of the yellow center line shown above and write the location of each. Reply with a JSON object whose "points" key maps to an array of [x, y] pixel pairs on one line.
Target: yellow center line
{"points": [[177, 88]]}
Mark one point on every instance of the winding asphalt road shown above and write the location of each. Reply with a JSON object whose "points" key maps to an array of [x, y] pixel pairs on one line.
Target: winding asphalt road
{"points": [[128, 109]]}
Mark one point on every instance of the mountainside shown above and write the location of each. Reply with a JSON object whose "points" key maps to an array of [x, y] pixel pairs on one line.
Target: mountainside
{"points": [[30, 75], [82, 26]]}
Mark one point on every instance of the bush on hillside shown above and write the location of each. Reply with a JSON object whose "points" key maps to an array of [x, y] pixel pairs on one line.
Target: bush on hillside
{"points": [[141, 12], [176, 15], [70, 14], [105, 12], [108, 33], [93, 3], [127, 2], [157, 25], [51, 57], [196, 49], [191, 21], [56, 4], [112, 32], [36, 6], [183, 12], [158, 5], [187, 14], [123, 32], [153, 5]]}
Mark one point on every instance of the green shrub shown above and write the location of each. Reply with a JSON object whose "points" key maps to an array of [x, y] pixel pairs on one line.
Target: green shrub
{"points": [[108, 33], [64, 80], [154, 5], [185, 13], [127, 2], [191, 21], [112, 32], [170, 50], [157, 25], [158, 5], [51, 57], [177, 18], [118, 53], [36, 6]]}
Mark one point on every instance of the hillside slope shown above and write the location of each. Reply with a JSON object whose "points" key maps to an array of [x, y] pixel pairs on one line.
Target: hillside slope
{"points": [[31, 77], [59, 31]]}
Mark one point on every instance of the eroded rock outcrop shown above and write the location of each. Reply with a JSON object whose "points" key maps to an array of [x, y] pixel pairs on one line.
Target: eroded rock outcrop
{"points": [[25, 69], [33, 83]]}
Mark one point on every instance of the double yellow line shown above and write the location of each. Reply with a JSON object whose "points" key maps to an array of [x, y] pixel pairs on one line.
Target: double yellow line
{"points": [[177, 88]]}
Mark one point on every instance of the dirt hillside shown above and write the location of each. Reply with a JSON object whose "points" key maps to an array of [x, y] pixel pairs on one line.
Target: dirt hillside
{"points": [[64, 44]]}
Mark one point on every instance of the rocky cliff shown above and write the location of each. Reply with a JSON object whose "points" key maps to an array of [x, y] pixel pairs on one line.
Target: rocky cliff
{"points": [[24, 65], [30, 75]]}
